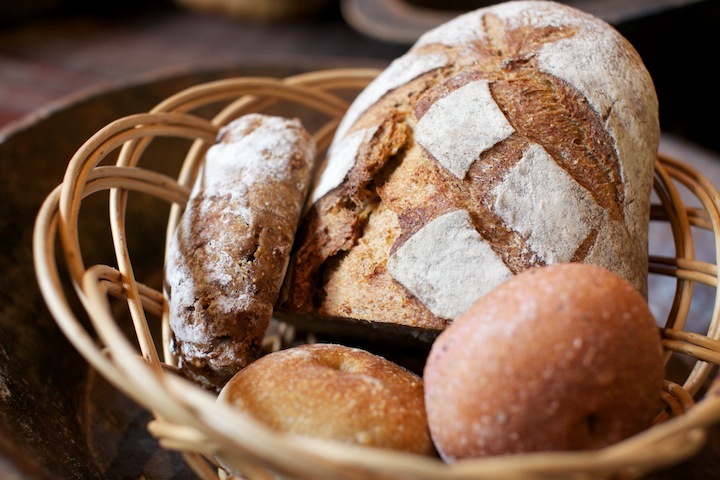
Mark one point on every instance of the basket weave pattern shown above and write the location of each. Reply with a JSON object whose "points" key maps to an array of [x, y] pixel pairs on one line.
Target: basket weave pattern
{"points": [[187, 418]]}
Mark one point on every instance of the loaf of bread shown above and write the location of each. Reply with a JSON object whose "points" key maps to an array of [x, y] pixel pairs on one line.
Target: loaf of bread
{"points": [[518, 135], [226, 262]]}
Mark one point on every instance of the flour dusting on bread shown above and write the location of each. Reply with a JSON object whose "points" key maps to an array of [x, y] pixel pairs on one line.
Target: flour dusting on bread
{"points": [[459, 127], [523, 205], [343, 154], [538, 121], [398, 73], [446, 263], [227, 258]]}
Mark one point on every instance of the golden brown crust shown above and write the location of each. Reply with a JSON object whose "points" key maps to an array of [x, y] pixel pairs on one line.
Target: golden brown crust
{"points": [[336, 393], [541, 363], [227, 260]]}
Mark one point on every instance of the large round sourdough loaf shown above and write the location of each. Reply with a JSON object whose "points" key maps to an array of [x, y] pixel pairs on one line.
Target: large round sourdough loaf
{"points": [[518, 135]]}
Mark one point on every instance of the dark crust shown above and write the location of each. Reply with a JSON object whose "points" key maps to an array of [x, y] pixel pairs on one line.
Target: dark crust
{"points": [[232, 340], [350, 330], [334, 223], [224, 342], [542, 109]]}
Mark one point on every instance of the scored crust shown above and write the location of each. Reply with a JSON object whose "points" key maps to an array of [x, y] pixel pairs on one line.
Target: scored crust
{"points": [[534, 122]]}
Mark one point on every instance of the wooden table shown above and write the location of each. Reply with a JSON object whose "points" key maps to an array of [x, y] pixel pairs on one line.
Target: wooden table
{"points": [[51, 61], [45, 60]]}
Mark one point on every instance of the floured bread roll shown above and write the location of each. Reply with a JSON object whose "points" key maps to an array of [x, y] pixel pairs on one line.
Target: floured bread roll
{"points": [[226, 262], [518, 135]]}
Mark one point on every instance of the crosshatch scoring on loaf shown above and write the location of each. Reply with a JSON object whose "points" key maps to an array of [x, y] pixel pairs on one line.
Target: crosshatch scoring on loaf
{"points": [[535, 123]]}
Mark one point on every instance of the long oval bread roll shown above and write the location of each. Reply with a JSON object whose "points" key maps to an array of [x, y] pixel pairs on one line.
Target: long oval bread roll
{"points": [[518, 135], [226, 262]]}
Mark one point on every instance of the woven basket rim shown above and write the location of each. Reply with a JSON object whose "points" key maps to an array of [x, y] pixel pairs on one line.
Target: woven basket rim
{"points": [[189, 420]]}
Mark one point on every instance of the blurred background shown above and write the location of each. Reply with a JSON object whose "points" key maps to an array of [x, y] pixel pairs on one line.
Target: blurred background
{"points": [[52, 48], [68, 67]]}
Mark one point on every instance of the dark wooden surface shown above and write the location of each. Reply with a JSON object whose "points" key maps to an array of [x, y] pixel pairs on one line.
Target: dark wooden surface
{"points": [[43, 60], [62, 53]]}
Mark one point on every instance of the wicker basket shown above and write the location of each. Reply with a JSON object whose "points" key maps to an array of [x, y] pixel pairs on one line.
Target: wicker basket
{"points": [[129, 348]]}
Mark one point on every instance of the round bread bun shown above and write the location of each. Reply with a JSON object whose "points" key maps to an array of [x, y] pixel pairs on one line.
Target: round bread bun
{"points": [[337, 393], [558, 358]]}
